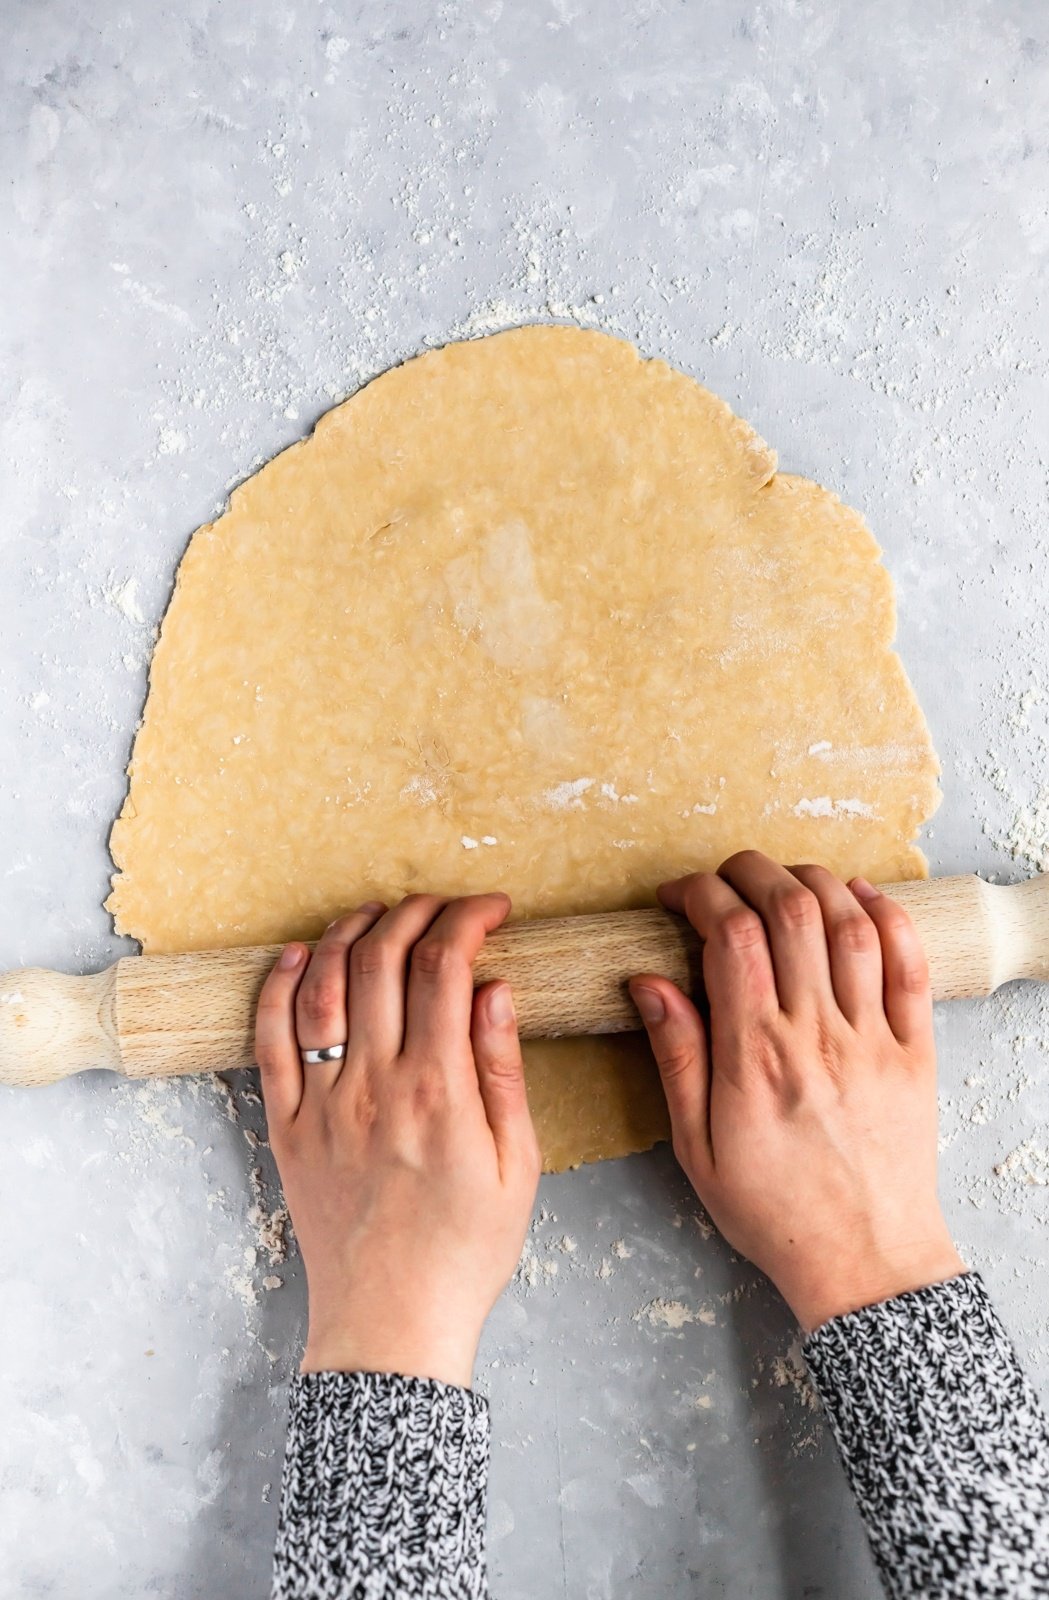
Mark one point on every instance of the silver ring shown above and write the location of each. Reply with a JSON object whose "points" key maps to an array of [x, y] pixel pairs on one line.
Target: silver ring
{"points": [[330, 1052]]}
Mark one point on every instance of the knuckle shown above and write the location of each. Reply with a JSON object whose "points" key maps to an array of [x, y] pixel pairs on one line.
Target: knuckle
{"points": [[696, 891], [272, 1002], [692, 880], [363, 1103], [265, 1057], [856, 934], [740, 928], [830, 1048], [812, 876], [763, 1055], [913, 975], [428, 1094], [742, 858], [429, 902], [895, 921], [676, 1060], [370, 958], [436, 958], [505, 1067], [796, 907], [321, 1001]]}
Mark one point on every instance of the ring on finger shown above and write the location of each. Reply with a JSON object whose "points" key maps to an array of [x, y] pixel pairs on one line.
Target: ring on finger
{"points": [[327, 1052]]}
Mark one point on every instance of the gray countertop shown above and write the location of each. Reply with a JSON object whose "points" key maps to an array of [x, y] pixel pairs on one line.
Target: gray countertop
{"points": [[221, 218]]}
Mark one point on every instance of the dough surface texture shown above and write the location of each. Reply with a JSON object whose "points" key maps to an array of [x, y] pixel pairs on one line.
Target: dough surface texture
{"points": [[532, 613]]}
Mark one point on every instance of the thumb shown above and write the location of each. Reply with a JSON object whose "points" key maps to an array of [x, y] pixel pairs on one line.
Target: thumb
{"points": [[679, 1044], [501, 1076]]}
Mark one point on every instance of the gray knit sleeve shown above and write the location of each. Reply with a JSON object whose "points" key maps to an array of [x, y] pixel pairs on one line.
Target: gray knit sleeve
{"points": [[383, 1495], [944, 1442]]}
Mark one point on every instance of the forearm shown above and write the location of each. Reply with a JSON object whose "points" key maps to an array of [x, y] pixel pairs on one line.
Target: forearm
{"points": [[944, 1442], [383, 1496]]}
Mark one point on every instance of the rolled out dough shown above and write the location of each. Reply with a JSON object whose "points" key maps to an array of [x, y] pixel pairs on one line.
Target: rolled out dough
{"points": [[527, 612]]}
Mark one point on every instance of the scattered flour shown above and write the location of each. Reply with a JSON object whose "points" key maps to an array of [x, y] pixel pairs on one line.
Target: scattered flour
{"points": [[122, 595], [172, 442], [824, 806], [610, 792], [335, 49], [240, 1279], [788, 1372], [568, 796], [674, 1314], [1025, 1167]]}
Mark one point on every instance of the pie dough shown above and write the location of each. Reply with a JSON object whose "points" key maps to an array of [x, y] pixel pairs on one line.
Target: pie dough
{"points": [[527, 612]]}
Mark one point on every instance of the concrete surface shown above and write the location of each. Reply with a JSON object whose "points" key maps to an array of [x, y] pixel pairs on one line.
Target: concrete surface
{"points": [[220, 218]]}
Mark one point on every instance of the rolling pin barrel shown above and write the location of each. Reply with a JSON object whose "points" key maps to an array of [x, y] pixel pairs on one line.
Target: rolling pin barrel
{"points": [[153, 1016]]}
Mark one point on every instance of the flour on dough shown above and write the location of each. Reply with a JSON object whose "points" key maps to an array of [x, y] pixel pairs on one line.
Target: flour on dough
{"points": [[527, 612]]}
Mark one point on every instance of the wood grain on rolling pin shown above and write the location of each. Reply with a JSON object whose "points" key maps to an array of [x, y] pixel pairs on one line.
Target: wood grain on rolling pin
{"points": [[151, 1016]]}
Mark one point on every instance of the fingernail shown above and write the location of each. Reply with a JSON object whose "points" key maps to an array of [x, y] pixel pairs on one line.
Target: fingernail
{"points": [[501, 1006], [864, 890], [650, 1004], [371, 906], [290, 956]]}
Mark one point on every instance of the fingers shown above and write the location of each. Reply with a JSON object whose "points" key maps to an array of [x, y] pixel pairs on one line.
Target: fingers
{"points": [[789, 937], [379, 975], [501, 1079], [852, 945], [321, 1004], [276, 1046], [679, 1044], [737, 965], [907, 991], [440, 978], [793, 925]]}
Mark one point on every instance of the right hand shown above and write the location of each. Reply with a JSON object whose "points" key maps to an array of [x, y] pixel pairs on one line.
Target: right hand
{"points": [[806, 1120]]}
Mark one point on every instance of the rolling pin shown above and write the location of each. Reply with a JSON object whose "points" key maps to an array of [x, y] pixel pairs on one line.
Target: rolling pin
{"points": [[159, 1016]]}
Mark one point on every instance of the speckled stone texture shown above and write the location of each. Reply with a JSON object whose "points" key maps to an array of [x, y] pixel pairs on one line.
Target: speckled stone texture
{"points": [[221, 218]]}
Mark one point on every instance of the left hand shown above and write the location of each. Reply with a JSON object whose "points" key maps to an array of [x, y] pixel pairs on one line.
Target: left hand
{"points": [[410, 1166]]}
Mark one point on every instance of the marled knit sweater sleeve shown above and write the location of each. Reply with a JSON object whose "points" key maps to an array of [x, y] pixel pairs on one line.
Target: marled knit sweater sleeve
{"points": [[944, 1442], [383, 1496]]}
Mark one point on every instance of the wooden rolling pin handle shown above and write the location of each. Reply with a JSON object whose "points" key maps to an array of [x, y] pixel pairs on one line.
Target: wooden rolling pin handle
{"points": [[153, 1016]]}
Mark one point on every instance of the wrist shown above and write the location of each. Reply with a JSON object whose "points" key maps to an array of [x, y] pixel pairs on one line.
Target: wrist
{"points": [[818, 1297], [437, 1350]]}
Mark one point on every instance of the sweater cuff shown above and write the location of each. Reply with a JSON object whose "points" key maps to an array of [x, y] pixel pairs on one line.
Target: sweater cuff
{"points": [[942, 1438], [384, 1489], [896, 1341], [903, 1369]]}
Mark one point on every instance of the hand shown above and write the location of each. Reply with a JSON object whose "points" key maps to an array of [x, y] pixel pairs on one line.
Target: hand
{"points": [[806, 1121], [409, 1167]]}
